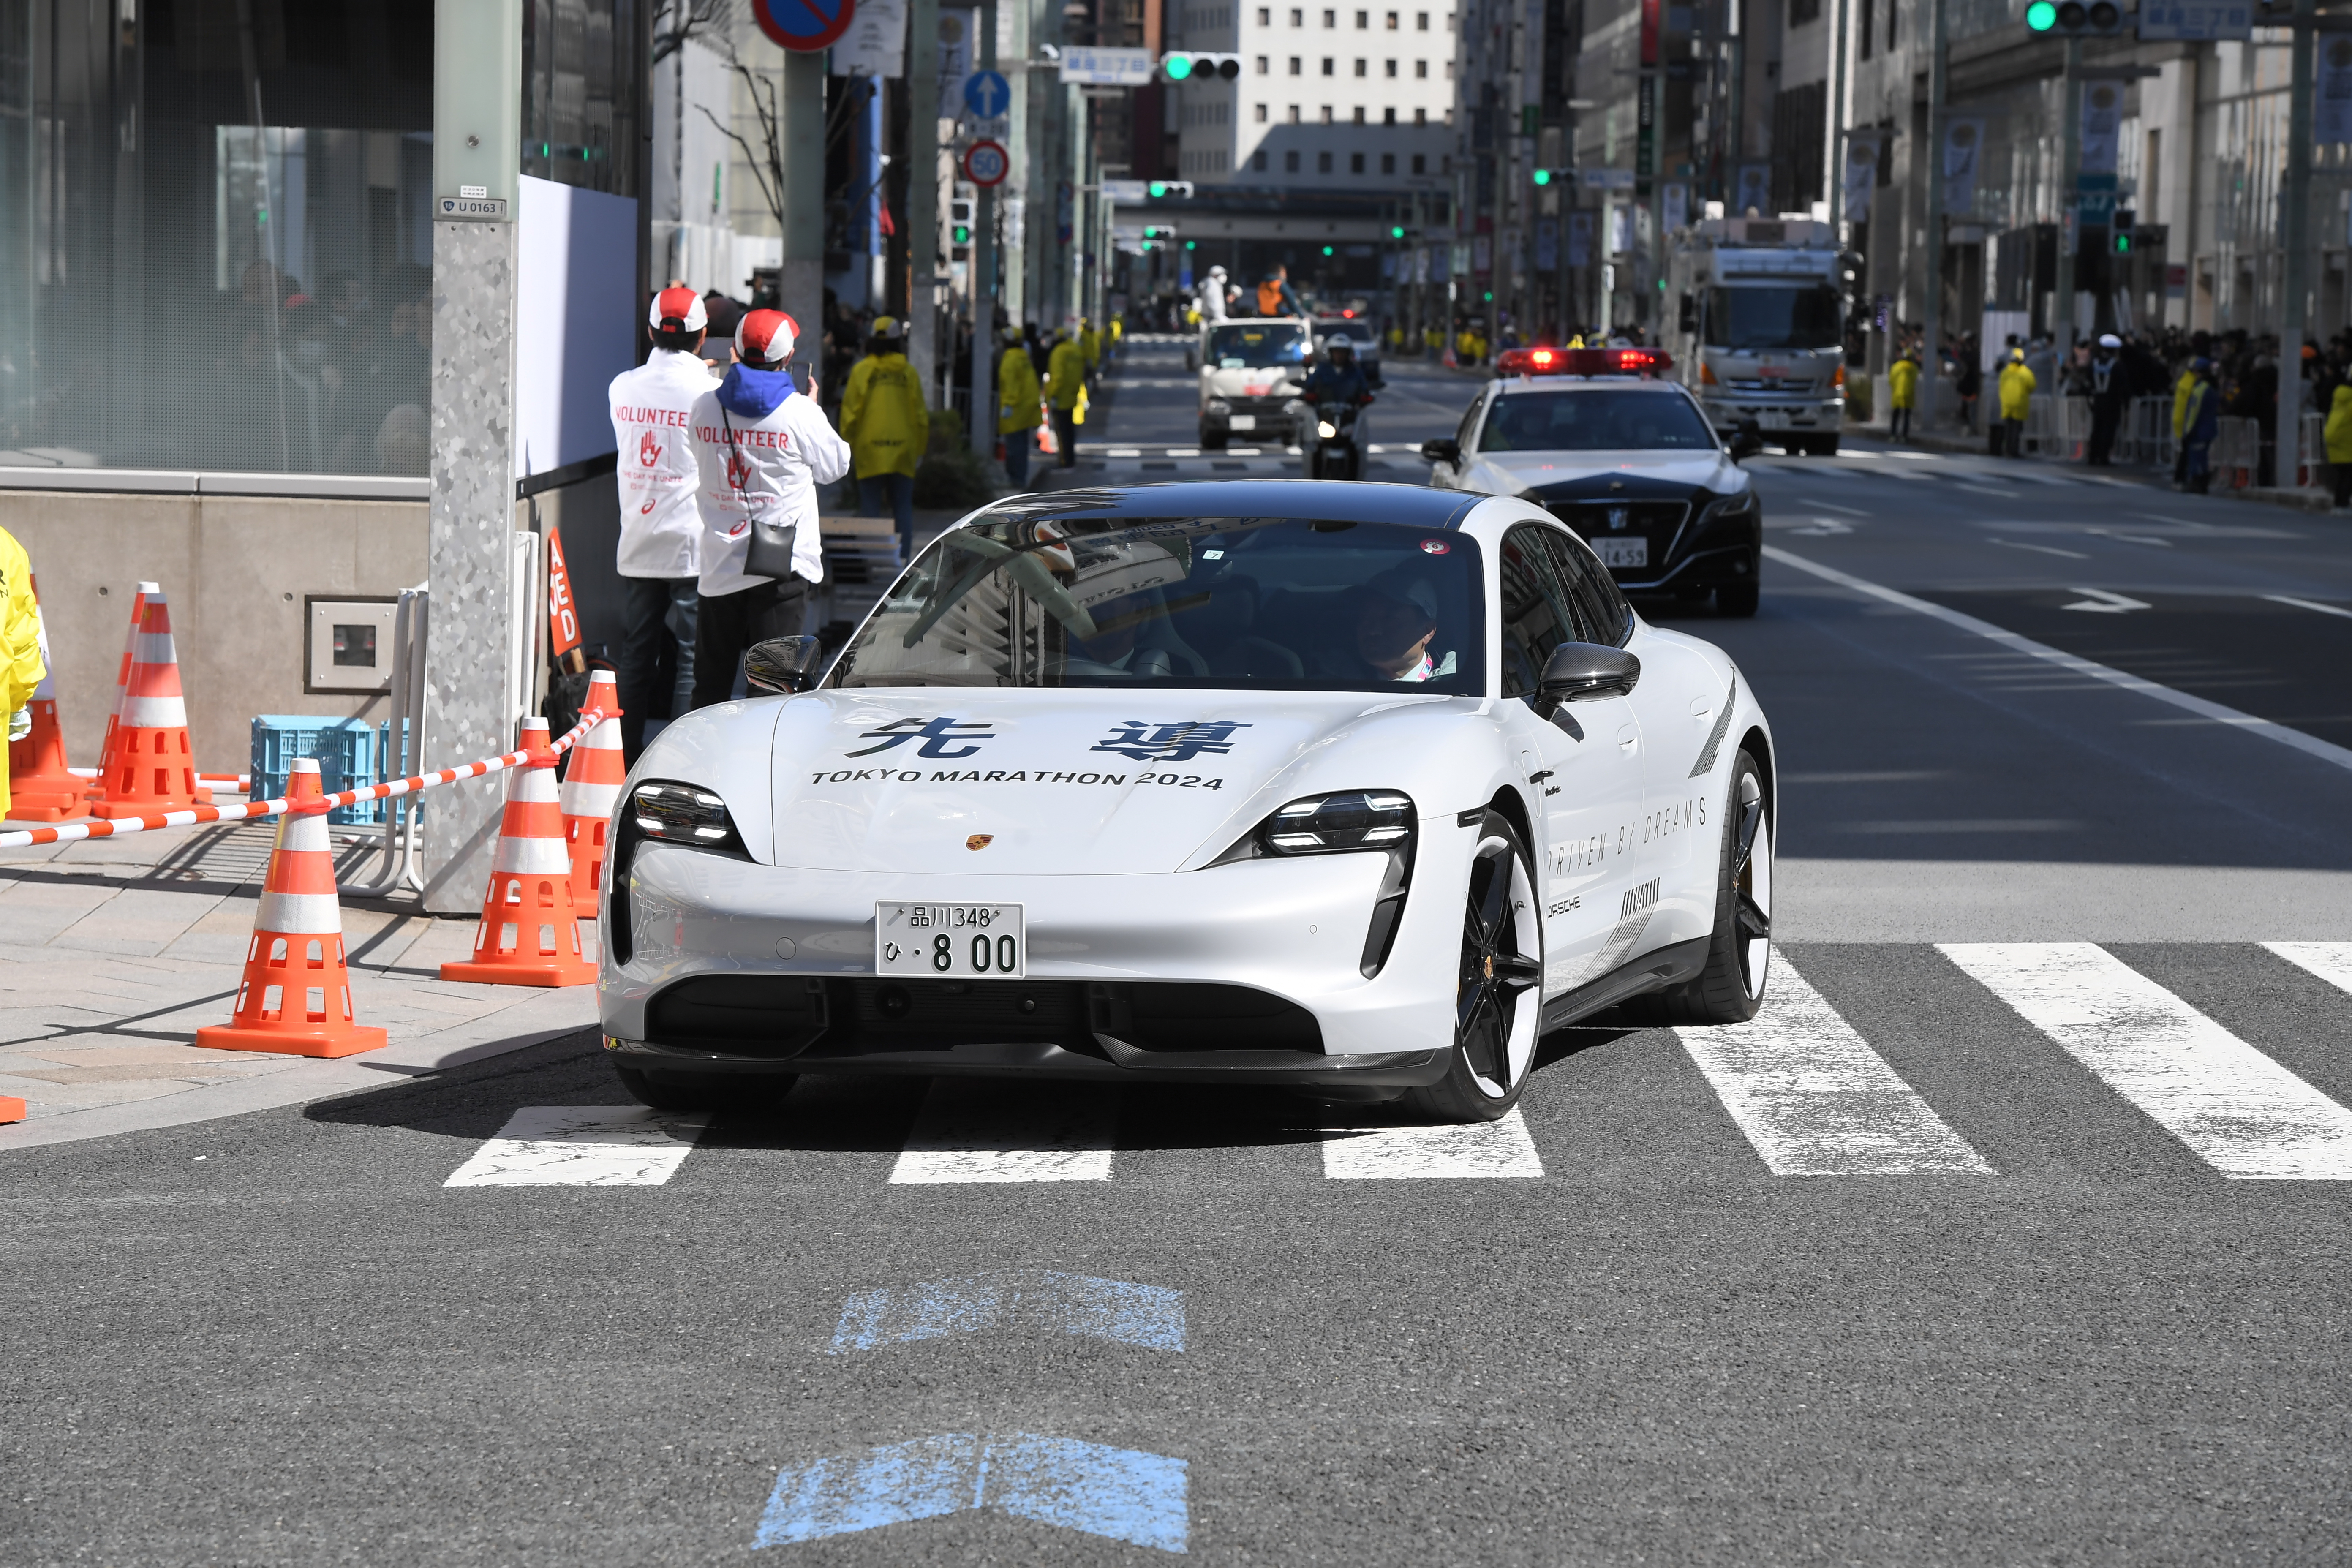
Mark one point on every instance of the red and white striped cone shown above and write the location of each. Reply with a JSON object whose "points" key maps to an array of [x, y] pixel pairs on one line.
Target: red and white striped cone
{"points": [[296, 998], [592, 781], [530, 926], [121, 684], [41, 787], [152, 768]]}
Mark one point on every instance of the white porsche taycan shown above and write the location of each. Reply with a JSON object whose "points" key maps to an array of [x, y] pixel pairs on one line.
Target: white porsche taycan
{"points": [[1349, 786]]}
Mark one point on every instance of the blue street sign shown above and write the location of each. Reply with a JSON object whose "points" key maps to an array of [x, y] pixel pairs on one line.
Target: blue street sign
{"points": [[804, 27], [987, 94]]}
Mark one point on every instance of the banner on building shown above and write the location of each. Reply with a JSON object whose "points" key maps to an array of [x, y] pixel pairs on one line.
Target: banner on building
{"points": [[1674, 202], [1580, 239], [2196, 21], [2331, 117], [1963, 152], [1621, 230], [875, 44], [2103, 117], [1482, 254], [1547, 245], [1752, 191], [1861, 176]]}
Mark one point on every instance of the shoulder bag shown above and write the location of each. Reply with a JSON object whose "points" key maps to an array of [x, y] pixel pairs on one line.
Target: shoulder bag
{"points": [[770, 552]]}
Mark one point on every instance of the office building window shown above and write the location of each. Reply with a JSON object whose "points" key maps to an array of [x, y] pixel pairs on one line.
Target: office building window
{"points": [[1388, 116], [1360, 114], [1265, 17], [1392, 21], [1355, 163], [1290, 162], [1331, 18], [1360, 65], [1388, 68], [1293, 65], [1388, 162], [1421, 117], [1421, 21], [1322, 163], [1327, 115], [1421, 71], [1330, 66], [1420, 164], [1261, 113], [1363, 20], [1294, 114], [1262, 67], [1257, 161]]}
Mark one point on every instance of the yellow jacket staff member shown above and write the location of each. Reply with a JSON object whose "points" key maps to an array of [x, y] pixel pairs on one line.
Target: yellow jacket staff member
{"points": [[20, 646], [2016, 388], [1903, 388], [1065, 380], [888, 429], [1017, 398]]}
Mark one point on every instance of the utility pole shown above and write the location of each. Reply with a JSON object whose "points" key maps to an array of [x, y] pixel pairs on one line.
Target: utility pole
{"points": [[983, 431], [2070, 206], [800, 282], [1931, 313], [2294, 233], [923, 192]]}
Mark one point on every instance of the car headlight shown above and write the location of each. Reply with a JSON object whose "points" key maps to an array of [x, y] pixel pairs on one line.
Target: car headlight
{"points": [[1333, 824], [684, 815], [1327, 429], [1218, 406], [1737, 508]]}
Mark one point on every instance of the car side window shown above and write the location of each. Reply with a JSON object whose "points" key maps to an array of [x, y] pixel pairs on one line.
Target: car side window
{"points": [[1536, 614], [1469, 424], [1602, 613]]}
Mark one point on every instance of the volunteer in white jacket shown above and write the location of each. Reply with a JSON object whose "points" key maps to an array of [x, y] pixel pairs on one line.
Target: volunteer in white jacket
{"points": [[763, 448], [661, 527]]}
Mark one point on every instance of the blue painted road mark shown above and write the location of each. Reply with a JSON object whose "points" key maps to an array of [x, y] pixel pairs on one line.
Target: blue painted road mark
{"points": [[1124, 1494], [1148, 1315]]}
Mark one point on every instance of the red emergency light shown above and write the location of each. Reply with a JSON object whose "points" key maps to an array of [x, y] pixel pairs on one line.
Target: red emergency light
{"points": [[1583, 361]]}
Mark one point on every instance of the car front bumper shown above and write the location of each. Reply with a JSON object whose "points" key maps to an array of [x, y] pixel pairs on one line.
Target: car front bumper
{"points": [[1104, 952]]}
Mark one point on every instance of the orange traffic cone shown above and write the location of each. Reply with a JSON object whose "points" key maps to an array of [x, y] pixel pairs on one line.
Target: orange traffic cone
{"points": [[41, 788], [11, 1109], [150, 768], [297, 995], [530, 925], [591, 788], [121, 684]]}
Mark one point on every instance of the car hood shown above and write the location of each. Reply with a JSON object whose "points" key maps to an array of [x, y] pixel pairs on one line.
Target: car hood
{"points": [[1075, 783], [1538, 473]]}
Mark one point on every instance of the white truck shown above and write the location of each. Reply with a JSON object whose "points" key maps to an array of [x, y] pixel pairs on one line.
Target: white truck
{"points": [[1759, 326]]}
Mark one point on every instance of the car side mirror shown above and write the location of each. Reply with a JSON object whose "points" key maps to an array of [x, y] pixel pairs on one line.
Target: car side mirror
{"points": [[1747, 440], [781, 666], [1584, 672], [1443, 450]]}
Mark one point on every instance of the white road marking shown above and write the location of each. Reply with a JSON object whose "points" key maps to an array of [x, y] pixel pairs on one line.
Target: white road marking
{"points": [[2235, 1108], [2331, 960], [1828, 505], [1483, 1149], [980, 1131], [1815, 1099], [1123, 452], [2309, 604], [2044, 549], [1990, 490], [2310, 745], [1915, 456], [582, 1146], [2099, 601]]}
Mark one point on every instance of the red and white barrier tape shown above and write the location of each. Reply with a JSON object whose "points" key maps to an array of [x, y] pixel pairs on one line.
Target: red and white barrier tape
{"points": [[67, 833], [242, 781]]}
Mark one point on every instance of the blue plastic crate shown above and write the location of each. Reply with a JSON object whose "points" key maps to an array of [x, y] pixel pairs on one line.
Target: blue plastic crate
{"points": [[350, 753]]}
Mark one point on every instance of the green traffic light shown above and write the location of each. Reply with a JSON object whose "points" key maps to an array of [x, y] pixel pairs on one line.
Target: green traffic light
{"points": [[1179, 67], [2123, 245], [1191, 245], [1397, 232], [1159, 188], [2042, 15], [963, 234], [1327, 250], [1543, 176], [1487, 297]]}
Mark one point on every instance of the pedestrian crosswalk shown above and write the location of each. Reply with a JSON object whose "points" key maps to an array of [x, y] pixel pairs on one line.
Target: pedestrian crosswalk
{"points": [[1807, 1093]]}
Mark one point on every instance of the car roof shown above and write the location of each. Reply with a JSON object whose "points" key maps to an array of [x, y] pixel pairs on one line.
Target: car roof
{"points": [[1510, 385], [1415, 506]]}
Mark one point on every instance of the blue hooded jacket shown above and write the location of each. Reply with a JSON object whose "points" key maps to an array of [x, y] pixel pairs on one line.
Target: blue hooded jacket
{"points": [[750, 393]]}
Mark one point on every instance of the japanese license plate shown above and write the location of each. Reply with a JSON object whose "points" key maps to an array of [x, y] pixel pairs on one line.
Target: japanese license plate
{"points": [[1616, 552], [1241, 422], [1773, 419], [949, 940]]}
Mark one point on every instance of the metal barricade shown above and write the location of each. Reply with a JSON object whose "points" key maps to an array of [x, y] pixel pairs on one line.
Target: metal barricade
{"points": [[2149, 431], [2315, 472]]}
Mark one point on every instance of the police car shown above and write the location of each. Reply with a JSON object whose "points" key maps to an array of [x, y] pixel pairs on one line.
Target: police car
{"points": [[1354, 787], [1602, 440]]}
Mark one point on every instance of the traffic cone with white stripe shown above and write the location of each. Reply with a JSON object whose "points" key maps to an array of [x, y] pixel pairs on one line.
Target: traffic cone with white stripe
{"points": [[296, 998], [11, 1109], [96, 790], [530, 925], [41, 788], [591, 788], [150, 768]]}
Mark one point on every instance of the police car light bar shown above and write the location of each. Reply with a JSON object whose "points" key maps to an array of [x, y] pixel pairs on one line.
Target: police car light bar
{"points": [[1583, 361]]}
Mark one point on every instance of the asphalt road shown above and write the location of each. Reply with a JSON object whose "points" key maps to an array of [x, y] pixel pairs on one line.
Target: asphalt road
{"points": [[1611, 1333]]}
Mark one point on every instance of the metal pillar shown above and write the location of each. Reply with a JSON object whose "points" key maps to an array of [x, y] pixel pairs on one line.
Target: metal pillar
{"points": [[1931, 315], [469, 551], [2295, 234], [2070, 207], [800, 284], [984, 349], [923, 192]]}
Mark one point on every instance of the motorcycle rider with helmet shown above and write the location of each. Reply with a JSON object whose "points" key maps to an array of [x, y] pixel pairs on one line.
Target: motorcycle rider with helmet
{"points": [[1335, 383]]}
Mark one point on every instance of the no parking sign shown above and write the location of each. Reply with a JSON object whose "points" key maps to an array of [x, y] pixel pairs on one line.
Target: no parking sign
{"points": [[804, 27], [987, 164]]}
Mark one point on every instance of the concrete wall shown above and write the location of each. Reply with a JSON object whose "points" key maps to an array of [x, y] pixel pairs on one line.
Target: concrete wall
{"points": [[236, 570]]}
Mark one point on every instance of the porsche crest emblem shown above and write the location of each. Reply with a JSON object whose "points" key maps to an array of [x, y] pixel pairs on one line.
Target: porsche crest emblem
{"points": [[979, 841]]}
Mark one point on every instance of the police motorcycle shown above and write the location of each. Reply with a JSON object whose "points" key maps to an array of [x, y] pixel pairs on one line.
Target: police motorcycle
{"points": [[1333, 434]]}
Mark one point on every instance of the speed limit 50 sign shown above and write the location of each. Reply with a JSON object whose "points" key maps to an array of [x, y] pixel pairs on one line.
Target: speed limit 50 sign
{"points": [[987, 164]]}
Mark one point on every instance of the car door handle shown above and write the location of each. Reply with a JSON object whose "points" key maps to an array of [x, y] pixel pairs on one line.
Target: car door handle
{"points": [[1626, 735]]}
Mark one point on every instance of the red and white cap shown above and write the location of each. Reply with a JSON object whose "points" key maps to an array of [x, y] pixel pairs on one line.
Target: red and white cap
{"points": [[677, 309], [765, 337]]}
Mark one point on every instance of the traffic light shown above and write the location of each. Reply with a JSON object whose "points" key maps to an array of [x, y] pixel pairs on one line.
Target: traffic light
{"points": [[960, 210], [1185, 65], [1327, 250], [1396, 231], [2126, 224], [1159, 236], [2074, 18], [1159, 188], [1546, 178]]}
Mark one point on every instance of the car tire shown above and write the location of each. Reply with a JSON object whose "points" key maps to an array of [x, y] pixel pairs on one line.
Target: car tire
{"points": [[1740, 952], [1737, 599], [1498, 985], [703, 1091], [1213, 440], [1826, 447]]}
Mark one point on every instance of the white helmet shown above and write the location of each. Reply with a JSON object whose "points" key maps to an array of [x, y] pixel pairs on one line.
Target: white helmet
{"points": [[1216, 272]]}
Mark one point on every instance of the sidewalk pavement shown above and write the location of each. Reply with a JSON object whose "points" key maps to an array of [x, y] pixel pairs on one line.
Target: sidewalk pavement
{"points": [[120, 949], [1973, 446]]}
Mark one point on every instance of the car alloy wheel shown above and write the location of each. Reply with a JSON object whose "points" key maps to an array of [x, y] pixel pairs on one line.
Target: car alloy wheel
{"points": [[1730, 987], [1498, 985], [1751, 884]]}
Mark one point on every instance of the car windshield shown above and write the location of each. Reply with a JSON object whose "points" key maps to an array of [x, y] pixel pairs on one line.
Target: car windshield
{"points": [[1274, 604], [1773, 316], [1249, 346], [1591, 418]]}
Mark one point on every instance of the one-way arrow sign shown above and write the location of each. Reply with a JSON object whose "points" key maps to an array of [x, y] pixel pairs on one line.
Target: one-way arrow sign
{"points": [[987, 94]]}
